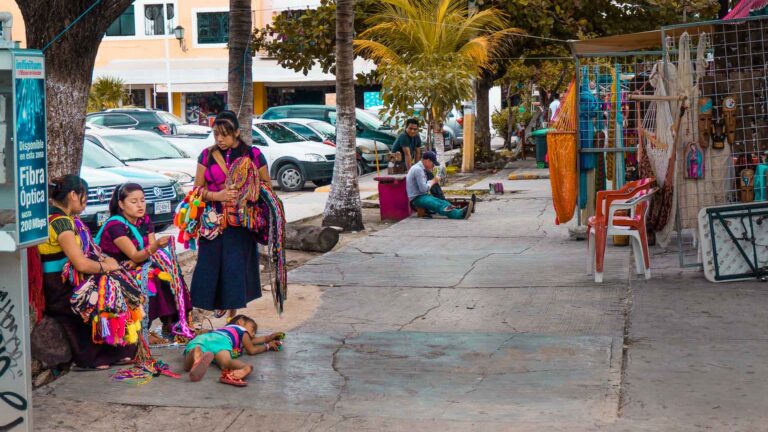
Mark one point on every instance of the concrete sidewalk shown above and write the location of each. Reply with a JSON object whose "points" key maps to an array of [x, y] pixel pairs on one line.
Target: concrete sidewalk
{"points": [[489, 324]]}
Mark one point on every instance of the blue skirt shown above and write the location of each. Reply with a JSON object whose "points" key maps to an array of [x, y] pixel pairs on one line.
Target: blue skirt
{"points": [[227, 271]]}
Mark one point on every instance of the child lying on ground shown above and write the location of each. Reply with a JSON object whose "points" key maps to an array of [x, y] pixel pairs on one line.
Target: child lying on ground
{"points": [[224, 346]]}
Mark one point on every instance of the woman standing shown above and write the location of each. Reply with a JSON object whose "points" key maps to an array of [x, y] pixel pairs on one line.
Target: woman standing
{"points": [[69, 196], [226, 275], [129, 236]]}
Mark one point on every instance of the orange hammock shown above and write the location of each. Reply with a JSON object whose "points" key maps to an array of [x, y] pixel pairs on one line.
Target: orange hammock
{"points": [[561, 151]]}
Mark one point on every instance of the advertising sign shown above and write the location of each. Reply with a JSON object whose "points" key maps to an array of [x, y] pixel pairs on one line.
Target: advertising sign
{"points": [[31, 160]]}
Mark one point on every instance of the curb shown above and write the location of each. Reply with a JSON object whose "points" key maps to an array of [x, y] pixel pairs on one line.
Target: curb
{"points": [[528, 176]]}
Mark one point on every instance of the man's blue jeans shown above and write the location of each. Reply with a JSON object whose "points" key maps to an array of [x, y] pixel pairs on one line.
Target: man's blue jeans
{"points": [[428, 202]]}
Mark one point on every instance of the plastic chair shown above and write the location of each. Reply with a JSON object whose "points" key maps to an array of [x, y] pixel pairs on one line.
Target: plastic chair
{"points": [[634, 198]]}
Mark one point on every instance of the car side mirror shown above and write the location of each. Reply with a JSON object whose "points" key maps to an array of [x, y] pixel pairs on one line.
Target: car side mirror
{"points": [[174, 130], [360, 128]]}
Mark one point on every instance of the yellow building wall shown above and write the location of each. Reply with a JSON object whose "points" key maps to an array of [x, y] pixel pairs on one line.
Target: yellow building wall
{"points": [[177, 104], [152, 47], [259, 98]]}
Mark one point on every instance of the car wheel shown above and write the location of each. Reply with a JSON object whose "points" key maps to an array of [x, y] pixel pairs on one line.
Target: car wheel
{"points": [[290, 179], [361, 168], [322, 183]]}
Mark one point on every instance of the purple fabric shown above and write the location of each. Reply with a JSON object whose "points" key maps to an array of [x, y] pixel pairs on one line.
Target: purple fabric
{"points": [[116, 229], [215, 178], [163, 304]]}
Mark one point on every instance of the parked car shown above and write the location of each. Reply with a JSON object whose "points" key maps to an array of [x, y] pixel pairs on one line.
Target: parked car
{"points": [[292, 159], [103, 172], [320, 131], [147, 151], [368, 125], [160, 122], [192, 145]]}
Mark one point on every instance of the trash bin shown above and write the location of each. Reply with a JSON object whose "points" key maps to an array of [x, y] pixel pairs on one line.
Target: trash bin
{"points": [[393, 198], [540, 137]]}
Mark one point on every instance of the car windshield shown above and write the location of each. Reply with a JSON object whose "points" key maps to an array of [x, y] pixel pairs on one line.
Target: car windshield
{"points": [[369, 120], [131, 148], [327, 130], [279, 133], [170, 118], [96, 157]]}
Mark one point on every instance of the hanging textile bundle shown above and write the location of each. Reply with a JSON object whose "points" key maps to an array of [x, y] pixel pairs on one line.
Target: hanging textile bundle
{"points": [[111, 303], [275, 242], [168, 263], [561, 150], [244, 177]]}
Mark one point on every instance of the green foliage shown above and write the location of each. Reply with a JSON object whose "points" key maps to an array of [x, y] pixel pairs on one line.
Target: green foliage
{"points": [[429, 51], [500, 118], [107, 92]]}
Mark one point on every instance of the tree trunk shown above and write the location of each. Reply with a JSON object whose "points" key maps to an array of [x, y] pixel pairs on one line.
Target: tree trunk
{"points": [[240, 88], [483, 125], [725, 6], [69, 67], [310, 238], [439, 141], [343, 208]]}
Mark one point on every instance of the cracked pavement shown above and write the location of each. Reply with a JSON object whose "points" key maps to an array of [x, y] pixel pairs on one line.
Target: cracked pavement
{"points": [[489, 324]]}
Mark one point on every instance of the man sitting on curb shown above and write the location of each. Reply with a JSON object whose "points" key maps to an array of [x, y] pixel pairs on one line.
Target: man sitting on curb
{"points": [[418, 188]]}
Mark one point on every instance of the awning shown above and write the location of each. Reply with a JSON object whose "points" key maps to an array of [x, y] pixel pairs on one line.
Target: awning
{"points": [[643, 41], [198, 75]]}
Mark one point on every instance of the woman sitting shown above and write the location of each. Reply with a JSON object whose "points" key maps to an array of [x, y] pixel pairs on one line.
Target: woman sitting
{"points": [[129, 237], [66, 237]]}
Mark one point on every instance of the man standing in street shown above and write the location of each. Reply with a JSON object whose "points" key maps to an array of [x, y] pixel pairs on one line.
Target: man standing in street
{"points": [[554, 106], [407, 148], [418, 188]]}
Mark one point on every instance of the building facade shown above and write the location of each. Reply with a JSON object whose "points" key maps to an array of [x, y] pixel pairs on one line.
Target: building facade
{"points": [[187, 74]]}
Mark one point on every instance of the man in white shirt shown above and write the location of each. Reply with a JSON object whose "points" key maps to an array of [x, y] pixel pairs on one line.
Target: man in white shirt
{"points": [[554, 106]]}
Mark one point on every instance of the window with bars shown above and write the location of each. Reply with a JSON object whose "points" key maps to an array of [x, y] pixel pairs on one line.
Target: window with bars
{"points": [[158, 19], [124, 25], [212, 27]]}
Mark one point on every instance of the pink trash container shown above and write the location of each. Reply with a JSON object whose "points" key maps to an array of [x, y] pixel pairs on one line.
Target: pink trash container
{"points": [[393, 198]]}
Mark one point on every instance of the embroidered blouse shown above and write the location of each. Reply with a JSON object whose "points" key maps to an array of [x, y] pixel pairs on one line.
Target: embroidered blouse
{"points": [[116, 229], [214, 176]]}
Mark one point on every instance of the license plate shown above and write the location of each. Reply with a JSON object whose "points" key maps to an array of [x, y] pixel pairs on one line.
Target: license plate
{"points": [[101, 218], [162, 207]]}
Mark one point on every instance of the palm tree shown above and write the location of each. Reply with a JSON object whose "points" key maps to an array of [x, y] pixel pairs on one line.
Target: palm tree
{"points": [[436, 44], [240, 88], [343, 208], [106, 92]]}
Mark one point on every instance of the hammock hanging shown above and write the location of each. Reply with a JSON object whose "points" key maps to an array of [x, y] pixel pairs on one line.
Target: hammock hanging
{"points": [[561, 150]]}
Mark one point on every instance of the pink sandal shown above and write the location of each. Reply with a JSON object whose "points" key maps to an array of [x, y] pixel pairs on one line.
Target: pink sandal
{"points": [[197, 372], [227, 377]]}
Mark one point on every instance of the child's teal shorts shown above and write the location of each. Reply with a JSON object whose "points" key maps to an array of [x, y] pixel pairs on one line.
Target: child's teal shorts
{"points": [[210, 342]]}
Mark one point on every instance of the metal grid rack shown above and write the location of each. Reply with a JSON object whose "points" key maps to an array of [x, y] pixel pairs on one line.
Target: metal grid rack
{"points": [[727, 123], [608, 119], [724, 129]]}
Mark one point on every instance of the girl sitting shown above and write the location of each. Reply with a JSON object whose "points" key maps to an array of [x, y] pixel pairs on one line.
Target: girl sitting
{"points": [[69, 245], [224, 346], [129, 237]]}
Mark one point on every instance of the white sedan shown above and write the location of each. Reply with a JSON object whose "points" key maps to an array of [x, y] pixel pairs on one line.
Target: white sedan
{"points": [[147, 150]]}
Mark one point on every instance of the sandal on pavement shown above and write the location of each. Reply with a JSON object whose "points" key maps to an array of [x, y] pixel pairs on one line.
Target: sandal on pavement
{"points": [[197, 372], [219, 313], [227, 377]]}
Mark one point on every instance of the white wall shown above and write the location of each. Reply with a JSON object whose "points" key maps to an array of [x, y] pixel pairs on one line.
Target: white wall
{"points": [[494, 103]]}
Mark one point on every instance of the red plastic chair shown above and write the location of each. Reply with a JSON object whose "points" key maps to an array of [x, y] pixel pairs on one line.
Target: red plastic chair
{"points": [[634, 197]]}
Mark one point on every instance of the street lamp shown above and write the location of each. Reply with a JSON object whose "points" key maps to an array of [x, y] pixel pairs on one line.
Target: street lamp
{"points": [[178, 32]]}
